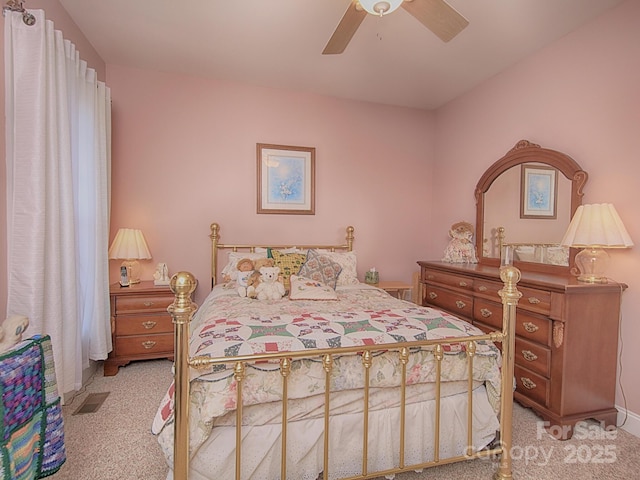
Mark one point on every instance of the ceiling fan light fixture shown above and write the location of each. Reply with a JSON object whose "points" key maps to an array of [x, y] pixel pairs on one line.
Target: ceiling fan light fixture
{"points": [[380, 7]]}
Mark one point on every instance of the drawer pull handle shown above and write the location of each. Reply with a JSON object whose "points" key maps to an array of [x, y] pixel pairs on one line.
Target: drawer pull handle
{"points": [[430, 277], [482, 288], [533, 300], [148, 304], [529, 355], [460, 304], [433, 295], [148, 344], [149, 325], [485, 312], [530, 327], [462, 283], [528, 383]]}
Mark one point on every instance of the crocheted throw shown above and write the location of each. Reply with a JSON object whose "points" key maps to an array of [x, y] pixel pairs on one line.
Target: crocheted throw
{"points": [[31, 433]]}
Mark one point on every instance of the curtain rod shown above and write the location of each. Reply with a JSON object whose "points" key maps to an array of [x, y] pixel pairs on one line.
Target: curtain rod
{"points": [[18, 6]]}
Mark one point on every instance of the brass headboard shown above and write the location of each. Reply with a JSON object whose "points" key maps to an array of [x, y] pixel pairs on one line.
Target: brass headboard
{"points": [[216, 245]]}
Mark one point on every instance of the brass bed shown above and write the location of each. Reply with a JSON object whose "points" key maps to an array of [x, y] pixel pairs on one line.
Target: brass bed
{"points": [[182, 310]]}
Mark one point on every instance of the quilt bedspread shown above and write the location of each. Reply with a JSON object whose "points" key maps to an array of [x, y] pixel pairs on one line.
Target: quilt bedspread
{"points": [[228, 325]]}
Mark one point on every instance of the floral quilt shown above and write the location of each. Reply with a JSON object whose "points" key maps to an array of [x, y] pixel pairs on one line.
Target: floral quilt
{"points": [[228, 325]]}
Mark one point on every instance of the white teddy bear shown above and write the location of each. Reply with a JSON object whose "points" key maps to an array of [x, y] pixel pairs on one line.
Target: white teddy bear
{"points": [[11, 331], [269, 288]]}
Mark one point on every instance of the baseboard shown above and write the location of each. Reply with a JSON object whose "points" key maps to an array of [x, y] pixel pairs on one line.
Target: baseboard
{"points": [[631, 423]]}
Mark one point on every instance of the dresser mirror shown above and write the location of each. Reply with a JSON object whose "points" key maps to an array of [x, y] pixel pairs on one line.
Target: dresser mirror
{"points": [[525, 201]]}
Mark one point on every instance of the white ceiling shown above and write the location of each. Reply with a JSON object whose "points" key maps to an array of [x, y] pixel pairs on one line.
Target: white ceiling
{"points": [[278, 43]]}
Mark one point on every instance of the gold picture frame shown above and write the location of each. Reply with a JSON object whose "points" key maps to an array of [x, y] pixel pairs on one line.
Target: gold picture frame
{"points": [[286, 179], [539, 192]]}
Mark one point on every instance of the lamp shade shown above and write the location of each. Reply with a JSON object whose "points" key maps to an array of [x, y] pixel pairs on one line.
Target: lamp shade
{"points": [[596, 225], [129, 244], [380, 7]]}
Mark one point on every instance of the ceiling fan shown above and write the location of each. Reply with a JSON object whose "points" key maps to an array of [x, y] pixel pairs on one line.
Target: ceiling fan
{"points": [[437, 15]]}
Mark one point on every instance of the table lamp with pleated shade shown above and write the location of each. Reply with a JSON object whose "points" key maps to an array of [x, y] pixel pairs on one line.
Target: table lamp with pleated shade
{"points": [[595, 228], [130, 246]]}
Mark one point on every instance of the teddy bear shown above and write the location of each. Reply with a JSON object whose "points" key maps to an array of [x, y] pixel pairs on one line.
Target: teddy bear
{"points": [[460, 248], [269, 288], [245, 269], [11, 331], [254, 279]]}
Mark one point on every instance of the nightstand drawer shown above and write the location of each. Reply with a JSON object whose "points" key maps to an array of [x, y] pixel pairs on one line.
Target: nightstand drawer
{"points": [[454, 302], [145, 344], [532, 385], [143, 324], [533, 356], [135, 304]]}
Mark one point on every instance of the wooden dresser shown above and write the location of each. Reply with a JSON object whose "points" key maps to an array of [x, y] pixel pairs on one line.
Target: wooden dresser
{"points": [[566, 336], [141, 327]]}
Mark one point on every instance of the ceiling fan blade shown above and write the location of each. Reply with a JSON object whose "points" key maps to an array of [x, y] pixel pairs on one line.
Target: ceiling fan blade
{"points": [[345, 30], [438, 16]]}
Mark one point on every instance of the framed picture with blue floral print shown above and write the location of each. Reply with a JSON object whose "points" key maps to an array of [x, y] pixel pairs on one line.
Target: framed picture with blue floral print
{"points": [[286, 179], [539, 191]]}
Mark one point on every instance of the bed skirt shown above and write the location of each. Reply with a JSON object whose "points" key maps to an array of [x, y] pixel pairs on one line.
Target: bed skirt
{"points": [[261, 444]]}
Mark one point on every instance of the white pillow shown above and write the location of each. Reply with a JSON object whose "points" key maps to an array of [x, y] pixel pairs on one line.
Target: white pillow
{"points": [[307, 289], [349, 264], [231, 268]]}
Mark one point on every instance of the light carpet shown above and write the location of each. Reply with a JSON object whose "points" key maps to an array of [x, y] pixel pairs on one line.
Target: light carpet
{"points": [[116, 441]]}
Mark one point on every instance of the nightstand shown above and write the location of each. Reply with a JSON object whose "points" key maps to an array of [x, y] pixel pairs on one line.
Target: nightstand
{"points": [[395, 288], [141, 327]]}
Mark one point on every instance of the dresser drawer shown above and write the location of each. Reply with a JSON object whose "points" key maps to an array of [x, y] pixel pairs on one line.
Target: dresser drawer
{"points": [[140, 304], [487, 312], [457, 281], [143, 324], [533, 328], [454, 302], [145, 344], [534, 300], [488, 289], [533, 356], [532, 385]]}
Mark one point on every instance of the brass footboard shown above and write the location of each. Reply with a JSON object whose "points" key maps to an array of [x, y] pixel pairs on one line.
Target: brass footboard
{"points": [[183, 284]]}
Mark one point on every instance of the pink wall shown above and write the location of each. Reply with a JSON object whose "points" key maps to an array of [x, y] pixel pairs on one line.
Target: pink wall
{"points": [[581, 96], [184, 156], [62, 21]]}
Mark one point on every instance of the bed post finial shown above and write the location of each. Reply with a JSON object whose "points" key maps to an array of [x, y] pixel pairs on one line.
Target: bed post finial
{"points": [[350, 238], [183, 284]]}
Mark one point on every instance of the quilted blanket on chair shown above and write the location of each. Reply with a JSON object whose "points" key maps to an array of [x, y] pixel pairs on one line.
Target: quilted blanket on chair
{"points": [[31, 433]]}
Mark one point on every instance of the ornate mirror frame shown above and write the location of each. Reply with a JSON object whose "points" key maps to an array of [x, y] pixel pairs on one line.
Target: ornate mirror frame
{"points": [[527, 152]]}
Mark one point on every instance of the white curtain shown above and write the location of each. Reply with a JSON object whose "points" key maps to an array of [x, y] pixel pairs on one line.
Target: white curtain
{"points": [[58, 134]]}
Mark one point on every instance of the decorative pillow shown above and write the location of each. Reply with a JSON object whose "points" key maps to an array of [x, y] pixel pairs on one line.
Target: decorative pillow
{"points": [[289, 264], [347, 260], [231, 268], [321, 268], [308, 289]]}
